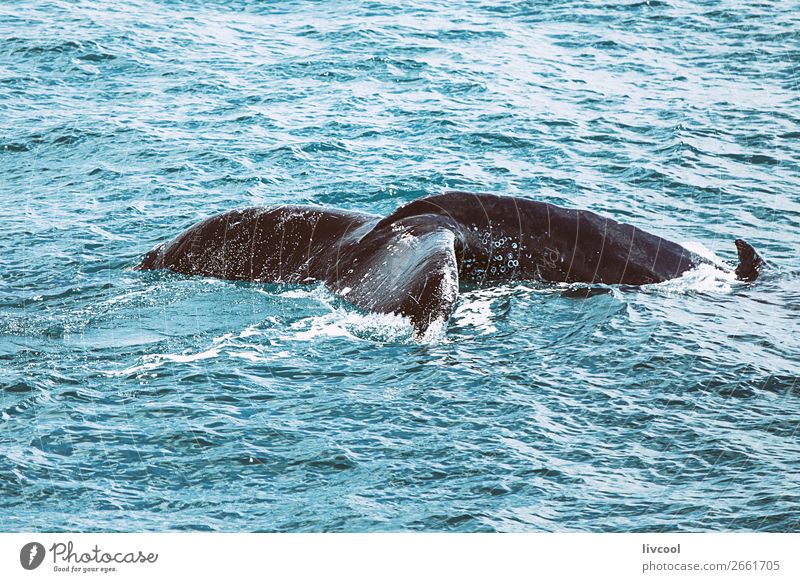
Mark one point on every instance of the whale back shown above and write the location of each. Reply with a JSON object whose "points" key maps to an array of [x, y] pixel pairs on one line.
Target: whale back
{"points": [[291, 244], [506, 238]]}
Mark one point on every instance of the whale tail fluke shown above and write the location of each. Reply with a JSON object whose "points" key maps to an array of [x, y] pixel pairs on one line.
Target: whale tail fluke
{"points": [[750, 263], [411, 270]]}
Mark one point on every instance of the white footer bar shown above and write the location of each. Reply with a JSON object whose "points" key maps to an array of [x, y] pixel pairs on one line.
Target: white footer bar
{"points": [[405, 556]]}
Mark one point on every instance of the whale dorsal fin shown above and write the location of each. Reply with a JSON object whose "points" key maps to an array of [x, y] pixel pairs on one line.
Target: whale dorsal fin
{"points": [[411, 271], [750, 263]]}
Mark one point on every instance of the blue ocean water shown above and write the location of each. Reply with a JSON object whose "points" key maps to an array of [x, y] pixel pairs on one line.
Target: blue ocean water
{"points": [[133, 401]]}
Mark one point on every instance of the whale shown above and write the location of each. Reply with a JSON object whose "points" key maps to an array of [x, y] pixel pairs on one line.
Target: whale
{"points": [[413, 261]]}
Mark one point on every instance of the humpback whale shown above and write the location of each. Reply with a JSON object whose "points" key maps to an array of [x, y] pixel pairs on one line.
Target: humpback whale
{"points": [[412, 261]]}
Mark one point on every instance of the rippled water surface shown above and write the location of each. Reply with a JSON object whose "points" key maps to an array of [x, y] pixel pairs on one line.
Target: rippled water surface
{"points": [[148, 401]]}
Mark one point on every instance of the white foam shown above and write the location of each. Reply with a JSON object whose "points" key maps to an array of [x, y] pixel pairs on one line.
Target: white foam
{"points": [[700, 249], [476, 313], [293, 294], [218, 345], [704, 279], [380, 327], [435, 334], [475, 307], [152, 362]]}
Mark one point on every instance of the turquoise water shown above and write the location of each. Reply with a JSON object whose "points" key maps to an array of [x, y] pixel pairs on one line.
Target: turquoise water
{"points": [[135, 401]]}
